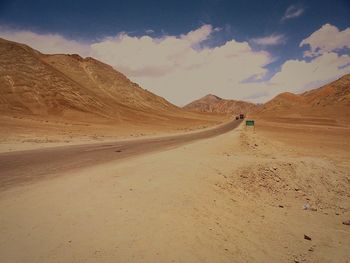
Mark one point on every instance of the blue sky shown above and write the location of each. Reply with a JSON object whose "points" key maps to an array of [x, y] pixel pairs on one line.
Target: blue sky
{"points": [[274, 27]]}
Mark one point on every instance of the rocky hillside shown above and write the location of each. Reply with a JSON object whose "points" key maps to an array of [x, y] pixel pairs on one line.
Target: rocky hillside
{"points": [[212, 103], [71, 87], [329, 101]]}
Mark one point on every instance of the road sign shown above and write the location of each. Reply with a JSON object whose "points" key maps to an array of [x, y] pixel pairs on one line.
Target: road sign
{"points": [[249, 123]]}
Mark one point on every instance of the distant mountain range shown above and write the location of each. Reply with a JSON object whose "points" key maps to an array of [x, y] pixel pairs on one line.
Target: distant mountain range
{"points": [[212, 103], [329, 101], [70, 87]]}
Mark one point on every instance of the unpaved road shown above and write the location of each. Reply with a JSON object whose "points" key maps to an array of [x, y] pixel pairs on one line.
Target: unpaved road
{"points": [[26, 166]]}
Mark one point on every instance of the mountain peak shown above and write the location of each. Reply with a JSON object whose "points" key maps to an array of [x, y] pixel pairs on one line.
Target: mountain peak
{"points": [[213, 103], [212, 96]]}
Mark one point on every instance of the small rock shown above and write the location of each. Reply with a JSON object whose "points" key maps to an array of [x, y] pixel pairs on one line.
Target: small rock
{"points": [[297, 189], [347, 222], [275, 168], [281, 206], [306, 206], [307, 237], [255, 145]]}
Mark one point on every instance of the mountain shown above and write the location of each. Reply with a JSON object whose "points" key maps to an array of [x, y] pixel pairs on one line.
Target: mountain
{"points": [[70, 87], [329, 101], [212, 103]]}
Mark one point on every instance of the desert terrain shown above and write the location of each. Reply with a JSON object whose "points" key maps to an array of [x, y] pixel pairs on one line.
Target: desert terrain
{"points": [[51, 100], [193, 186], [247, 196]]}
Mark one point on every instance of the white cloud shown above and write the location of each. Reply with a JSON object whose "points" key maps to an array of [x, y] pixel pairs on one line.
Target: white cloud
{"points": [[296, 75], [326, 39], [46, 43], [149, 31], [181, 68], [271, 40], [292, 12], [198, 35], [177, 68]]}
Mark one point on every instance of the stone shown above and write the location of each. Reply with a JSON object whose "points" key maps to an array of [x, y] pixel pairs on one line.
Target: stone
{"points": [[307, 237], [347, 222]]}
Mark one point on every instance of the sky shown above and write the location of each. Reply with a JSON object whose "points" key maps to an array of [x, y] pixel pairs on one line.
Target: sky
{"points": [[183, 50]]}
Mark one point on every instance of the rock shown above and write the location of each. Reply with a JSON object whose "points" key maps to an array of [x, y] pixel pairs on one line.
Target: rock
{"points": [[347, 222], [281, 206], [275, 168], [307, 237], [306, 206]]}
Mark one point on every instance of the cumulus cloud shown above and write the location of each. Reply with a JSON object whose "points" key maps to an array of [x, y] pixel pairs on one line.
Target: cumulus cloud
{"points": [[46, 43], [292, 11], [181, 68], [177, 68], [326, 39], [297, 75], [149, 31], [271, 40]]}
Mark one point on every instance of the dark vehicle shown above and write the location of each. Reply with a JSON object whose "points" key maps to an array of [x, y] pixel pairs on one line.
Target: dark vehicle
{"points": [[241, 116]]}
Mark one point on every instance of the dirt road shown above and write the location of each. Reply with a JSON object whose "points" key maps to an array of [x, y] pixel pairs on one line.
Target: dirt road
{"points": [[26, 166]]}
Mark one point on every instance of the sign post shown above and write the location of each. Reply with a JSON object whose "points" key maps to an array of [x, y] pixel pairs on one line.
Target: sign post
{"points": [[250, 123]]}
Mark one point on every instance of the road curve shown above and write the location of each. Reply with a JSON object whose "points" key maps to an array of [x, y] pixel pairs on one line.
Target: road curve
{"points": [[27, 166]]}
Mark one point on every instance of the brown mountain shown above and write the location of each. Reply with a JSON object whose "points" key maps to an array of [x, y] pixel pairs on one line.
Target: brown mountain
{"points": [[329, 101], [70, 87], [212, 103]]}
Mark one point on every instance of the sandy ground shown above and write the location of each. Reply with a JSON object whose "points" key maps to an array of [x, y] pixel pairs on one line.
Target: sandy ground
{"points": [[26, 133], [238, 197]]}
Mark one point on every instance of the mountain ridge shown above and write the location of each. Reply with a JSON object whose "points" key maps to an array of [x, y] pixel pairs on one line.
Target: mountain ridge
{"points": [[70, 87], [215, 104], [331, 100]]}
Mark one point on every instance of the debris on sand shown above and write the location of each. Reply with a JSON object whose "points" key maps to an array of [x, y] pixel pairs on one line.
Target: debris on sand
{"points": [[307, 206], [347, 222], [307, 237]]}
